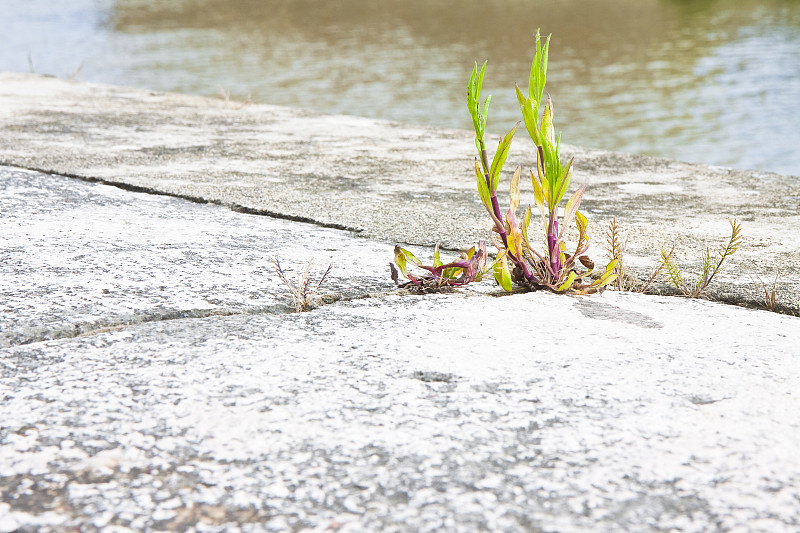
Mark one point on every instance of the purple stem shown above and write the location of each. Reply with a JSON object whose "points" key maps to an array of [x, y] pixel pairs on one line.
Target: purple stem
{"points": [[496, 209], [552, 245]]}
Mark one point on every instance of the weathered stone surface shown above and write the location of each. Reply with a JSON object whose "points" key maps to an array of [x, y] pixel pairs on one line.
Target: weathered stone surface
{"points": [[378, 412], [391, 182], [77, 257]]}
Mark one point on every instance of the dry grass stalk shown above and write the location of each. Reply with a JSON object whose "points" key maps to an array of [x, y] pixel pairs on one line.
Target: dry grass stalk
{"points": [[303, 291], [615, 249], [226, 95], [769, 295]]}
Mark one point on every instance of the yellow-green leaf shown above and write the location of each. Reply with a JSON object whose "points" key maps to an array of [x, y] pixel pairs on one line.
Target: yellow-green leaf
{"points": [[515, 190], [502, 275], [547, 129], [483, 189], [400, 260], [500, 158], [571, 208], [436, 261], [526, 221], [567, 284], [409, 256], [538, 195]]}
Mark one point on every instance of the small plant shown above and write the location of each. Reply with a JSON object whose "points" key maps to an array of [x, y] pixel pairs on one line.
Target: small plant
{"points": [[469, 267], [518, 262], [711, 265], [666, 257], [304, 292], [615, 249], [770, 296], [554, 268], [226, 95]]}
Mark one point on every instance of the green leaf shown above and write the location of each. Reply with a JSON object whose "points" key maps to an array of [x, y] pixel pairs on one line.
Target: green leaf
{"points": [[547, 129], [544, 182], [529, 114], [605, 280], [479, 83], [567, 284], [608, 276], [452, 272], [563, 181], [400, 260], [485, 116], [501, 273], [521, 99], [538, 77], [473, 101], [483, 189], [500, 158], [436, 261], [409, 256]]}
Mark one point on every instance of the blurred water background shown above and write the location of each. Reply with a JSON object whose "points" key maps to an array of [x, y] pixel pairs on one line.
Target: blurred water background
{"points": [[710, 81]]}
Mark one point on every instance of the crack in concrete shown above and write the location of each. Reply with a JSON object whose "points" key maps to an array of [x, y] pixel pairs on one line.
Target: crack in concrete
{"points": [[194, 199], [711, 295], [97, 327]]}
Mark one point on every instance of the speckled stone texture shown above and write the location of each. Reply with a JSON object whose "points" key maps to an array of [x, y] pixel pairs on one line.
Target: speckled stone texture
{"points": [[153, 377], [393, 182]]}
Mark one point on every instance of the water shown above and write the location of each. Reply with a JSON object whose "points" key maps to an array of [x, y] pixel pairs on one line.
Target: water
{"points": [[716, 82]]}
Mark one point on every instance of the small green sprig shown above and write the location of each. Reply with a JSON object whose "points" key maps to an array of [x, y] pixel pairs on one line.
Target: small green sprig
{"points": [[711, 264]]}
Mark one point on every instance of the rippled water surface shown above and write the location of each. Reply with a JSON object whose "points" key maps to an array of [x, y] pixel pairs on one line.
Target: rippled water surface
{"points": [[716, 82]]}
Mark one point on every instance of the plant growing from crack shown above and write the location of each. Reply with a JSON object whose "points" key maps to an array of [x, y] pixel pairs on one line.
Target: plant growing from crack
{"points": [[303, 291], [711, 265], [518, 262], [470, 266], [615, 250], [770, 296]]}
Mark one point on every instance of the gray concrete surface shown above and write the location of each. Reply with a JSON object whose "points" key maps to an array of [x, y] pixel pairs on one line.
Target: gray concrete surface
{"points": [[153, 377], [389, 181], [87, 256]]}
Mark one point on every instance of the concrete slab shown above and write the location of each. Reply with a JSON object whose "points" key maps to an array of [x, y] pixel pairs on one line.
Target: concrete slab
{"points": [[388, 181], [78, 256], [153, 377]]}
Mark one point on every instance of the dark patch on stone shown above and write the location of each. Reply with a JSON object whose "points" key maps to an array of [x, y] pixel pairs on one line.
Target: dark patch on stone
{"points": [[430, 377], [703, 400], [591, 308]]}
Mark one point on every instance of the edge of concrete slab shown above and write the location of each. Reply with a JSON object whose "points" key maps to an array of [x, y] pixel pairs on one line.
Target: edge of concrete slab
{"points": [[382, 179]]}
